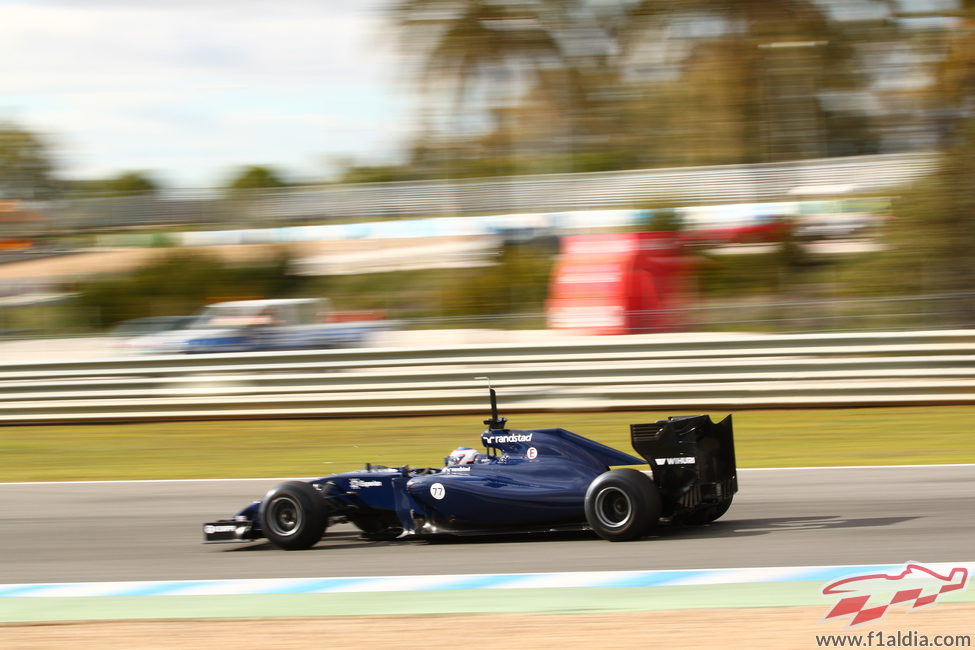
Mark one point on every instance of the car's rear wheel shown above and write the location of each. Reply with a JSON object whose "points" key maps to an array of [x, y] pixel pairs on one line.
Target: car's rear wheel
{"points": [[293, 516], [707, 514], [622, 504]]}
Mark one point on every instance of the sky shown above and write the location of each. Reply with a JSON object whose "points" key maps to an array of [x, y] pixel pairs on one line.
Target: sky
{"points": [[188, 91]]}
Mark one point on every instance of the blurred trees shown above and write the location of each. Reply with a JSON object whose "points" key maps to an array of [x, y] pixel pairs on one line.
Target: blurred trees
{"points": [[180, 283], [752, 88], [352, 173], [26, 168], [128, 183], [255, 177], [935, 236], [579, 85], [516, 284], [929, 241], [132, 183], [951, 97], [477, 58], [932, 240]]}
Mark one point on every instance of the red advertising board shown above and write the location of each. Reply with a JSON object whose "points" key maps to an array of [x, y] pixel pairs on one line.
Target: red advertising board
{"points": [[619, 283]]}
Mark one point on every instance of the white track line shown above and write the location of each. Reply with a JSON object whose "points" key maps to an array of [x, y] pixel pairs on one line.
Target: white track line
{"points": [[372, 584]]}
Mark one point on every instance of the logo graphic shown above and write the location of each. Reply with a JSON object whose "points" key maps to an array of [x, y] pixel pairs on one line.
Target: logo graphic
{"points": [[512, 437], [357, 483], [916, 585]]}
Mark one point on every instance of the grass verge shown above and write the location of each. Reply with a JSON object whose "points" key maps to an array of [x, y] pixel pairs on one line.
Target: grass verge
{"points": [[870, 436]]}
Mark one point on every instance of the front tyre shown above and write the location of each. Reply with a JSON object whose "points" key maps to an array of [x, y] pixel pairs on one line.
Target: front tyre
{"points": [[622, 504], [293, 516]]}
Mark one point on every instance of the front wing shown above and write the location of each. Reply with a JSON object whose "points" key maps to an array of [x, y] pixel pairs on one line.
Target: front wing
{"points": [[229, 530]]}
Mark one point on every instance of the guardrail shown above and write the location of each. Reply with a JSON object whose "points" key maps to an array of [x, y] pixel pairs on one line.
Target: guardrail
{"points": [[644, 372]]}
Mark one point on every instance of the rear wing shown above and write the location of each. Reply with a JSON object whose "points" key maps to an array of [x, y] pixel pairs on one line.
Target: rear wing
{"points": [[692, 458]]}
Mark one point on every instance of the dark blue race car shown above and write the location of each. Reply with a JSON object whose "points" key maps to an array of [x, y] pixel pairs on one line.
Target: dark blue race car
{"points": [[527, 481]]}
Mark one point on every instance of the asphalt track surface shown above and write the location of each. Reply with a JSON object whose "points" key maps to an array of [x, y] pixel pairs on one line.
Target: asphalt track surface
{"points": [[80, 532]]}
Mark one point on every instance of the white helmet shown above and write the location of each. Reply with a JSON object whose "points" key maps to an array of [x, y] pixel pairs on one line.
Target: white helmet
{"points": [[461, 456]]}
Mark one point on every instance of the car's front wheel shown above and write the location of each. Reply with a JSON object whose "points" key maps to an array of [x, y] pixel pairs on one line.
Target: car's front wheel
{"points": [[622, 504], [293, 516]]}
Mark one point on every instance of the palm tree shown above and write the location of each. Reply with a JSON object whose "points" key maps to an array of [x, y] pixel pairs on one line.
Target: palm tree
{"points": [[752, 77], [479, 57]]}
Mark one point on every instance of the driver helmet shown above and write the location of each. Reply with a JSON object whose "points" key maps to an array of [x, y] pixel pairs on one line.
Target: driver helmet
{"points": [[461, 456]]}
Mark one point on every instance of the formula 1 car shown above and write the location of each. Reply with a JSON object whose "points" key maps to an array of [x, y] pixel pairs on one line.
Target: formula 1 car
{"points": [[527, 481]]}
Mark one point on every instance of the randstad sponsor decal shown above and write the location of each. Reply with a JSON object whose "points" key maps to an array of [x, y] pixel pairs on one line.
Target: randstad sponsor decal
{"points": [[512, 437]]}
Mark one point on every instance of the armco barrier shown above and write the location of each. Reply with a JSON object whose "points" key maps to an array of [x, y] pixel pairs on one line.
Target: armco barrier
{"points": [[647, 372]]}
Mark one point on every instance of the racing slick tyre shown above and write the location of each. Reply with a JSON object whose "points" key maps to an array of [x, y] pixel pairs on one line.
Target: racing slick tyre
{"points": [[293, 516], [622, 504], [707, 514]]}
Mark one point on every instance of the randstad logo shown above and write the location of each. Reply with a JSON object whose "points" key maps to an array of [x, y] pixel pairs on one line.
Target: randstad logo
{"points": [[867, 598], [511, 437]]}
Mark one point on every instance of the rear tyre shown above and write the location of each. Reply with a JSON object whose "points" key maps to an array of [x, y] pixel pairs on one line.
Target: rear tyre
{"points": [[707, 514], [622, 504], [293, 516]]}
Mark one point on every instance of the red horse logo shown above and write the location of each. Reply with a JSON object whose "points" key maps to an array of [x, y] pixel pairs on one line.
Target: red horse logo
{"points": [[918, 592]]}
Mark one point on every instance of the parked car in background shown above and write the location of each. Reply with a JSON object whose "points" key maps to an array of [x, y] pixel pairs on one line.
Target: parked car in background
{"points": [[724, 225], [150, 325], [256, 325]]}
